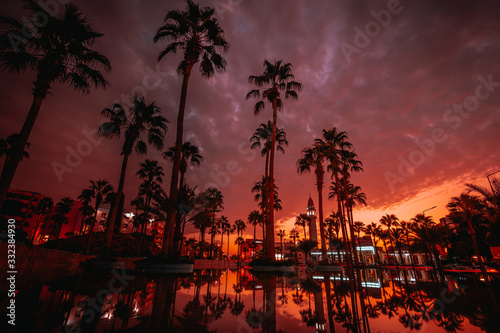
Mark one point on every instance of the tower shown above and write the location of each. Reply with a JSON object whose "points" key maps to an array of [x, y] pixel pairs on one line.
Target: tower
{"points": [[311, 213]]}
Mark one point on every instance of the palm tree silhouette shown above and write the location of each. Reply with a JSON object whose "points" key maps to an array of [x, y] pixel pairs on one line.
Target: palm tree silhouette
{"points": [[7, 147], [62, 208], [59, 50], [255, 218], [190, 154], [239, 226], [152, 176], [281, 234], [313, 158], [303, 220], [277, 78], [42, 210], [197, 34], [142, 120], [99, 191]]}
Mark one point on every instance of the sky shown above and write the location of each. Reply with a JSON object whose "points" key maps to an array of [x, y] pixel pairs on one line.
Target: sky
{"points": [[415, 84]]}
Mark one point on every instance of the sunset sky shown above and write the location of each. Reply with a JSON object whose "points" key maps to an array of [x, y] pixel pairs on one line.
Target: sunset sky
{"points": [[393, 75]]}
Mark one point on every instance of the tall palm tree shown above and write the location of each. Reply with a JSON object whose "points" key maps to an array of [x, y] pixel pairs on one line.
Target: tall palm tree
{"points": [[42, 209], [281, 234], [359, 227], [99, 191], [313, 158], [303, 220], [202, 221], [374, 229], [213, 201], [239, 226], [59, 50], [151, 175], [196, 33], [142, 120], [294, 234], [390, 220], [332, 223], [276, 78], [190, 155], [255, 218], [62, 208], [225, 228]]}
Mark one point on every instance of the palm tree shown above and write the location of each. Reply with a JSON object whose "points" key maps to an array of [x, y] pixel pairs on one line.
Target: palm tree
{"points": [[59, 50], [306, 245], [60, 217], [294, 234], [374, 230], [281, 234], [99, 191], [87, 213], [332, 222], [390, 221], [264, 134], [197, 34], [151, 175], [142, 120], [301, 221], [7, 147], [213, 200], [239, 226], [138, 203], [359, 227], [42, 209], [277, 78], [254, 218], [225, 228], [313, 158], [190, 154], [202, 221]]}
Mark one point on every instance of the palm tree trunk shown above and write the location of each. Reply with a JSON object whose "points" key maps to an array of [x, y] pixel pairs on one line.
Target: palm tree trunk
{"points": [[271, 254], [319, 178], [168, 236], [228, 247], [16, 155], [112, 217], [37, 224], [265, 199], [221, 242], [202, 244], [91, 231]]}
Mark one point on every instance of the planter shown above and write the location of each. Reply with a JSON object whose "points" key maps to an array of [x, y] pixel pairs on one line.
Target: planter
{"points": [[148, 267]]}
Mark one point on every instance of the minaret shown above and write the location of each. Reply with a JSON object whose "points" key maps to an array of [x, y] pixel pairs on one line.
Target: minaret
{"points": [[311, 212]]}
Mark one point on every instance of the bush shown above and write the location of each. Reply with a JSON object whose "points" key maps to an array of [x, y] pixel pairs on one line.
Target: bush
{"points": [[270, 262]]}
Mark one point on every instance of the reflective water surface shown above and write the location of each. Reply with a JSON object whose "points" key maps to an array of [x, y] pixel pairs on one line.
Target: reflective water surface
{"points": [[239, 301]]}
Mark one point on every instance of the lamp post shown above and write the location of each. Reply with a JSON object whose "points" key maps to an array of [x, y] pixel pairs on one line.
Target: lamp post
{"points": [[428, 209], [489, 181]]}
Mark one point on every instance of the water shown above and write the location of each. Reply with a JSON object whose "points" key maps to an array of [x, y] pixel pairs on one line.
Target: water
{"points": [[238, 301]]}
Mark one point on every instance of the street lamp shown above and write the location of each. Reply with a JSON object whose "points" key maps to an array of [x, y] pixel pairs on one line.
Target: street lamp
{"points": [[489, 181], [428, 209]]}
